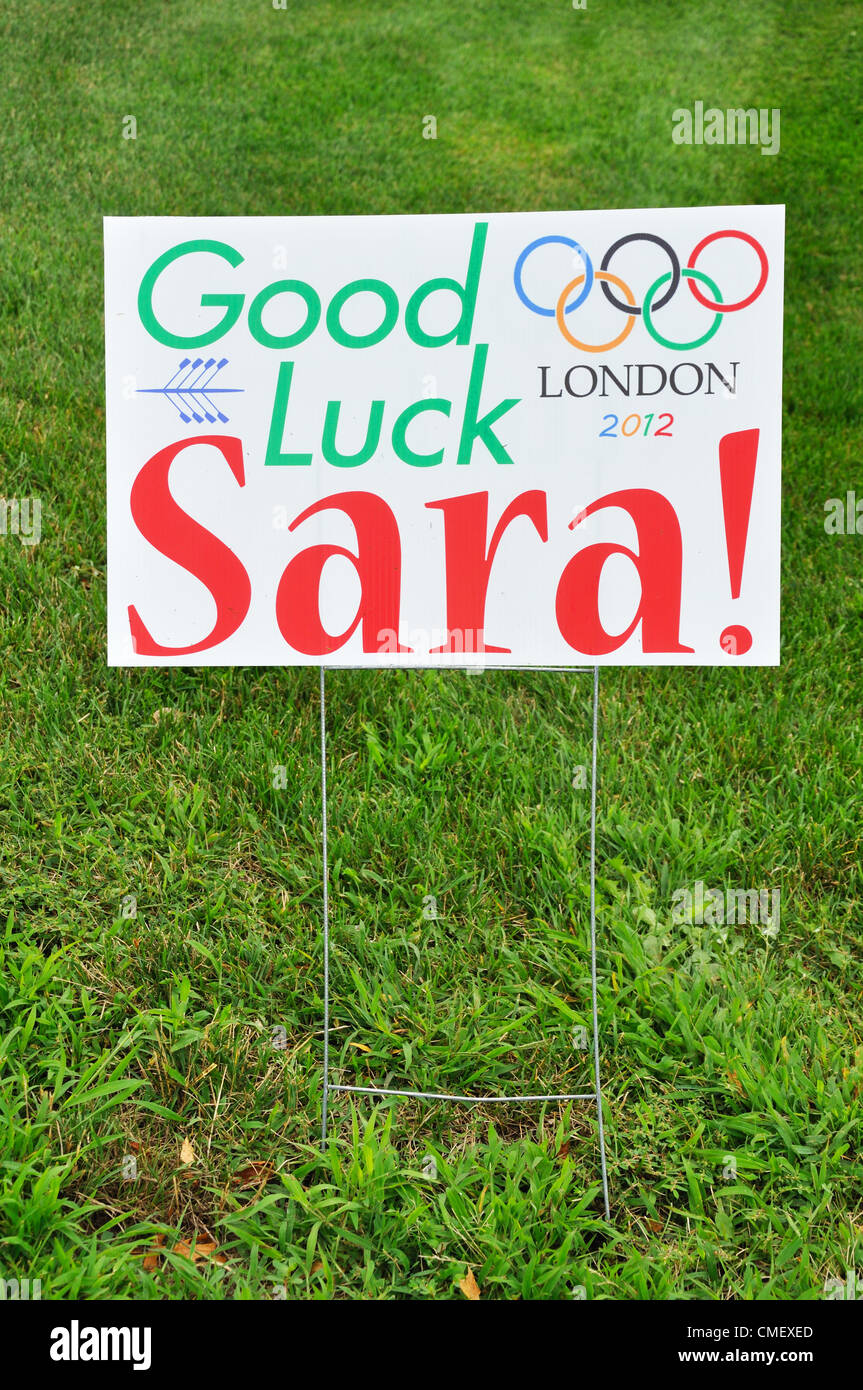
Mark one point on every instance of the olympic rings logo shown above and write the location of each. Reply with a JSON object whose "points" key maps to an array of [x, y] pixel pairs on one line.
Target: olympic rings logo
{"points": [[655, 298]]}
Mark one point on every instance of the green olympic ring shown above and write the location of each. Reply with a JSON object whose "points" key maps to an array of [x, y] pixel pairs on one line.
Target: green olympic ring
{"points": [[696, 342]]}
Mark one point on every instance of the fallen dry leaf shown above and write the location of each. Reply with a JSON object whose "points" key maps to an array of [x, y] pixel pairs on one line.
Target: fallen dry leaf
{"points": [[469, 1287], [187, 1153], [203, 1250], [253, 1173], [151, 1259]]}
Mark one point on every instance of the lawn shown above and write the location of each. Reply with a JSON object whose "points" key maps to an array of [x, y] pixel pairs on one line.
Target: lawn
{"points": [[160, 883]]}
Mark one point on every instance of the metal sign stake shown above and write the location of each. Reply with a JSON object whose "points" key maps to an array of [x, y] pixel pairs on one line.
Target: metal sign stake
{"points": [[594, 1095]]}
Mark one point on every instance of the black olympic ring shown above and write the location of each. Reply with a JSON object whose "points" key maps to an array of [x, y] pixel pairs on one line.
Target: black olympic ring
{"points": [[675, 270]]}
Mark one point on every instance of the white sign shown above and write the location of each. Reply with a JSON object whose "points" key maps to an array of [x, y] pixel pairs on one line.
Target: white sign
{"points": [[514, 439]]}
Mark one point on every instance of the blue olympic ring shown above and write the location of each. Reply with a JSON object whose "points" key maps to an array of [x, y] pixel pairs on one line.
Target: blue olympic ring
{"points": [[519, 266]]}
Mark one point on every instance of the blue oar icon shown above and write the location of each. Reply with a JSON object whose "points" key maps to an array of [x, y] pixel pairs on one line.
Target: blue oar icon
{"points": [[186, 392]]}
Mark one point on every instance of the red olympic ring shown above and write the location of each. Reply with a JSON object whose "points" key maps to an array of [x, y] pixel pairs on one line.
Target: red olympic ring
{"points": [[742, 303]]}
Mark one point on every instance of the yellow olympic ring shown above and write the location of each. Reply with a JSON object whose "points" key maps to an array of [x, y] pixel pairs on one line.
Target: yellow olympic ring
{"points": [[561, 306]]}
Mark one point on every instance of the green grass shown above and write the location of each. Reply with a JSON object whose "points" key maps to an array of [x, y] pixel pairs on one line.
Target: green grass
{"points": [[121, 1035]]}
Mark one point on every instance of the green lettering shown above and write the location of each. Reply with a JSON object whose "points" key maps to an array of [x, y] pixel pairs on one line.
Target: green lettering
{"points": [[233, 303], [256, 308], [340, 298], [401, 447], [373, 434], [467, 294], [275, 457], [475, 428]]}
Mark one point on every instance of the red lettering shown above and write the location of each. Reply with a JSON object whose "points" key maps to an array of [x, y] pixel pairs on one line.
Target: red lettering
{"points": [[659, 563], [468, 566], [172, 532], [378, 565]]}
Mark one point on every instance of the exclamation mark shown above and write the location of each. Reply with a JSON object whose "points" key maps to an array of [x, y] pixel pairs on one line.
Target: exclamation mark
{"points": [[737, 457]]}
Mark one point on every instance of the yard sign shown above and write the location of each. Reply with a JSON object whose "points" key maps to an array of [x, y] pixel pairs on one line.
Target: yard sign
{"points": [[517, 439]]}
